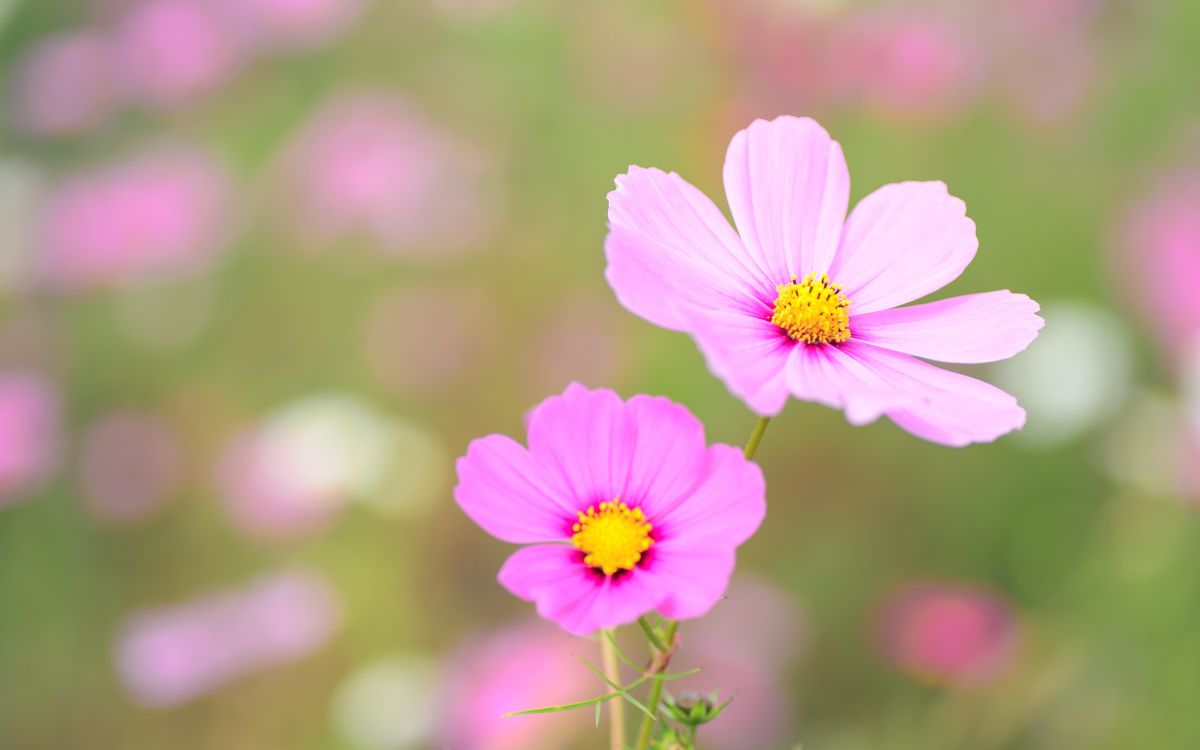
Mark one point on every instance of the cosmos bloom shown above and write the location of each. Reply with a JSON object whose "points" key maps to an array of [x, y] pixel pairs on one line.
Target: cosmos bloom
{"points": [[625, 508], [804, 301], [370, 165], [1158, 263], [163, 213], [950, 634], [63, 86], [29, 432], [170, 53], [522, 665], [171, 655]]}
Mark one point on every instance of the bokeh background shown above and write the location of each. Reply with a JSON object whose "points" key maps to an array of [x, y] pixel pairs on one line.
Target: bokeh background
{"points": [[266, 266]]}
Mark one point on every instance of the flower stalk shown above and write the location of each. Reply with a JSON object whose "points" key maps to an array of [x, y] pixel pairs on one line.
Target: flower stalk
{"points": [[663, 648]]}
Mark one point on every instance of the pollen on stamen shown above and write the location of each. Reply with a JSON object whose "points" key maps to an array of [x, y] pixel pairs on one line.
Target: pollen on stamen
{"points": [[813, 311], [612, 537]]}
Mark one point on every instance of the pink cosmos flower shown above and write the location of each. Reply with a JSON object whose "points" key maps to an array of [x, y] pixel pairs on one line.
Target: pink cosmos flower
{"points": [[804, 301], [625, 508], [1158, 264], [955, 635], [29, 411], [369, 165], [172, 52], [908, 64], [171, 655], [521, 666], [161, 214], [64, 87]]}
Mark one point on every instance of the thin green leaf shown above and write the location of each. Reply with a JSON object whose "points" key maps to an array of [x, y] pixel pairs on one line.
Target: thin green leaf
{"points": [[623, 692], [651, 634]]}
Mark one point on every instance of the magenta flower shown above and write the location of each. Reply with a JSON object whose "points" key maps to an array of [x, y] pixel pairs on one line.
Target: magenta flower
{"points": [[949, 634], [804, 301], [625, 508]]}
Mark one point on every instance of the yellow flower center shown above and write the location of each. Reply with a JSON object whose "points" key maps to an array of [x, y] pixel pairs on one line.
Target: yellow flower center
{"points": [[814, 311], [612, 536]]}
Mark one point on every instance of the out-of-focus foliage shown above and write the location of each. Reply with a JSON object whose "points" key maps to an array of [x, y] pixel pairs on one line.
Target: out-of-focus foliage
{"points": [[267, 265]]}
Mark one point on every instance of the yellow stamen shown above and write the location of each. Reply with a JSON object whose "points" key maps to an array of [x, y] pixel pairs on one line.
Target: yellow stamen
{"points": [[814, 311], [612, 536]]}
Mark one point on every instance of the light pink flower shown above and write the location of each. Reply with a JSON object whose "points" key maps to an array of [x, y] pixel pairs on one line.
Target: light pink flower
{"points": [[370, 165], [803, 302], [130, 464], [281, 24], [172, 52], [904, 63], [29, 414], [64, 86], [523, 666], [1158, 264], [954, 635], [174, 654], [625, 508], [161, 214]]}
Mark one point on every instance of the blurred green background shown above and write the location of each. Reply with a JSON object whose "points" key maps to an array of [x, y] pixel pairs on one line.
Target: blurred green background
{"points": [[388, 241]]}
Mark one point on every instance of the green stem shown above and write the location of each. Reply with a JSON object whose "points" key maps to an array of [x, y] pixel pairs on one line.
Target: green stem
{"points": [[656, 688], [651, 636], [616, 712], [756, 437]]}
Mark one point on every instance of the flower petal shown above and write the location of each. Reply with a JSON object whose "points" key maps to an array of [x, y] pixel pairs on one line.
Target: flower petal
{"points": [[566, 592], [748, 353], [669, 455], [940, 405], [902, 242], [668, 243], [723, 510], [585, 441], [788, 189], [972, 328], [693, 580], [504, 491]]}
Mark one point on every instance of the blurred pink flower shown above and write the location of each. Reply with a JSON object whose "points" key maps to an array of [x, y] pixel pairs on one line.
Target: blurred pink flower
{"points": [[908, 64], [433, 337], [130, 464], [172, 52], [949, 634], [29, 432], [264, 496], [607, 476], [369, 165], [281, 24], [523, 666], [63, 86], [744, 648], [1158, 262], [161, 214], [171, 655]]}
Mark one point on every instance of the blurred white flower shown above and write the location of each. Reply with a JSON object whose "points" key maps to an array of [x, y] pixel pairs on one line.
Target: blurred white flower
{"points": [[389, 704], [310, 458], [1074, 376]]}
